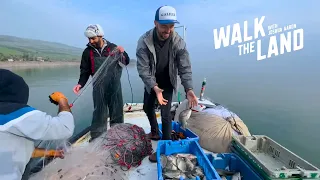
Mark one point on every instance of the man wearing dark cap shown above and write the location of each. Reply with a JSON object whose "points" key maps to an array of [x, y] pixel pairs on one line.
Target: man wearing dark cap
{"points": [[21, 125], [161, 56]]}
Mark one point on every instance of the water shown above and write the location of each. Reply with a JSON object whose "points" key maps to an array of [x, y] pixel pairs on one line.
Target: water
{"points": [[280, 103]]}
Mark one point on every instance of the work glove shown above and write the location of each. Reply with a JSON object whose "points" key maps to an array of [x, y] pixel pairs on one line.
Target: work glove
{"points": [[56, 97], [47, 153]]}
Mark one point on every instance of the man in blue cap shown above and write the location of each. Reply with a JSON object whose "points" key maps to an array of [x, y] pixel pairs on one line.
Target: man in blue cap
{"points": [[161, 56]]}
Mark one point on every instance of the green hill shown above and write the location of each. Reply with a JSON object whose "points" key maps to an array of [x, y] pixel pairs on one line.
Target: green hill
{"points": [[16, 48]]}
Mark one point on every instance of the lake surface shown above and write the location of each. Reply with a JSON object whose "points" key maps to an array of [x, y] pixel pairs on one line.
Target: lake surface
{"points": [[281, 104]]}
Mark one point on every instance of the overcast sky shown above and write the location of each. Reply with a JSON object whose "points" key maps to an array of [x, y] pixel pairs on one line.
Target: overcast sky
{"points": [[124, 21]]}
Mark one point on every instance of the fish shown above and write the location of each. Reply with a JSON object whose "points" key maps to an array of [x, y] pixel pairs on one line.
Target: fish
{"points": [[169, 163], [236, 176], [181, 166], [174, 174], [183, 117], [189, 164], [197, 171], [223, 172]]}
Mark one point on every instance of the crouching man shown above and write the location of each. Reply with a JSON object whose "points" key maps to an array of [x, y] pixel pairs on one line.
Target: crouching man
{"points": [[21, 125]]}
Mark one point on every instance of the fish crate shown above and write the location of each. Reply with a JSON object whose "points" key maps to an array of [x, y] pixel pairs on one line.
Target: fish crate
{"points": [[177, 128], [186, 147], [232, 162], [272, 160]]}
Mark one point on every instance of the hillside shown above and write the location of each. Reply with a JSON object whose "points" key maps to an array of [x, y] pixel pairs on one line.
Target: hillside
{"points": [[16, 48]]}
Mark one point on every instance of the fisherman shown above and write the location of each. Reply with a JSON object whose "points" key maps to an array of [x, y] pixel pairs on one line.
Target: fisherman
{"points": [[161, 56], [21, 125], [97, 51]]}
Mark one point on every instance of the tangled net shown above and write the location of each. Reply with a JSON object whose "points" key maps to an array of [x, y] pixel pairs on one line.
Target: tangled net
{"points": [[92, 162], [122, 147], [128, 145]]}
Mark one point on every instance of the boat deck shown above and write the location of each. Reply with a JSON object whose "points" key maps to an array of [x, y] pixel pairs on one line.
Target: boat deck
{"points": [[63, 168]]}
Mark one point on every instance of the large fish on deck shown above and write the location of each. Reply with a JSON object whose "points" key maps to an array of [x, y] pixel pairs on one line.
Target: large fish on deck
{"points": [[183, 118]]}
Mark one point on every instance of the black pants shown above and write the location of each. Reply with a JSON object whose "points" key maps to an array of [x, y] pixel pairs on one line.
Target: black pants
{"points": [[107, 101], [149, 108], [27, 172]]}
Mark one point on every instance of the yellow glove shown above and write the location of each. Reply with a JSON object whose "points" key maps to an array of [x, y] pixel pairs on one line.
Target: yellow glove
{"points": [[56, 97], [47, 153]]}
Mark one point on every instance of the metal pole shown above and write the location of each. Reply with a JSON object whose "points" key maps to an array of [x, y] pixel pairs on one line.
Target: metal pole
{"points": [[184, 33], [184, 38]]}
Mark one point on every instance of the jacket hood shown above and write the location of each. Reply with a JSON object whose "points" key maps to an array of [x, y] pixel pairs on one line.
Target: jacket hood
{"points": [[14, 91]]}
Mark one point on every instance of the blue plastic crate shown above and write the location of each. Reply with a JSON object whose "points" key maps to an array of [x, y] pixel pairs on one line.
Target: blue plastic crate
{"points": [[235, 163], [184, 147], [177, 128]]}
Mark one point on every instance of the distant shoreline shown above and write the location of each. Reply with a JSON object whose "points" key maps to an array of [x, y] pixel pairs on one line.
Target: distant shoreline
{"points": [[36, 64]]}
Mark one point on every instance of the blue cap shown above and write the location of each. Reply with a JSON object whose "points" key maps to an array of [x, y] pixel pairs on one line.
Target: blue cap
{"points": [[166, 15]]}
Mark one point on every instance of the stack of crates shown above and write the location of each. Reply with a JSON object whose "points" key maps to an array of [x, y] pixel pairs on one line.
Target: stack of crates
{"points": [[271, 160]]}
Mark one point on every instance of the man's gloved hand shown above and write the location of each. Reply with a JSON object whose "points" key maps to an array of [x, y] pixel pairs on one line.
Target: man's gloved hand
{"points": [[56, 97]]}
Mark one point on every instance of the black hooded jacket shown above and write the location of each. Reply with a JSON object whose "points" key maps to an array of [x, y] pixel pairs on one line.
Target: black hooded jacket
{"points": [[14, 92]]}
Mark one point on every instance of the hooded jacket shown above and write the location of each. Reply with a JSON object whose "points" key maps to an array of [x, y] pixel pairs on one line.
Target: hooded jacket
{"points": [[21, 125]]}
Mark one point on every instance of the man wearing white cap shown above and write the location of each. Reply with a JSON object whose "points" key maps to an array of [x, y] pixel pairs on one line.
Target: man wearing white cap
{"points": [[97, 51], [161, 56]]}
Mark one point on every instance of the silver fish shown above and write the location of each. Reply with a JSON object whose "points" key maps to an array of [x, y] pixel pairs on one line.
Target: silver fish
{"points": [[172, 174], [223, 172], [236, 176], [169, 163], [197, 171], [189, 164], [183, 117], [181, 163]]}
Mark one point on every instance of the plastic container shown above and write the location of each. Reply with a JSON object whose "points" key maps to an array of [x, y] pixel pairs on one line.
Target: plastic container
{"points": [[191, 147], [177, 128], [234, 163], [272, 160]]}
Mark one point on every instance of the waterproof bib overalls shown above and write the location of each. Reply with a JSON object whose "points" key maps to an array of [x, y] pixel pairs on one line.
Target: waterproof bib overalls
{"points": [[107, 95]]}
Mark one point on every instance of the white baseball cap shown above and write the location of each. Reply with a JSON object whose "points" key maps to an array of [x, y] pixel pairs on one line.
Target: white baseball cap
{"points": [[166, 15], [93, 30]]}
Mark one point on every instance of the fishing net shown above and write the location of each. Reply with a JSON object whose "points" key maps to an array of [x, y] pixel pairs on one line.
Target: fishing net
{"points": [[106, 92], [117, 149], [128, 145]]}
